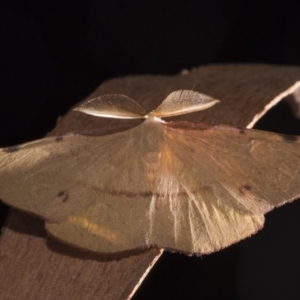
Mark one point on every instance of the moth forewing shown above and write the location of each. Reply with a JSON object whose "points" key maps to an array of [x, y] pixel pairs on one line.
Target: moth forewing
{"points": [[183, 102], [112, 106]]}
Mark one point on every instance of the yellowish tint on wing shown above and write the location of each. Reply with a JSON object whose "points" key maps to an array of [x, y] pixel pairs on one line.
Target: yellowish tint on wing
{"points": [[199, 225], [112, 224], [185, 213]]}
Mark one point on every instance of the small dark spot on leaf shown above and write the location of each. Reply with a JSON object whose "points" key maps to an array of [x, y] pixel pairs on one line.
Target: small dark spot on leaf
{"points": [[244, 189], [290, 138], [11, 149], [242, 131], [247, 187], [59, 138], [63, 195]]}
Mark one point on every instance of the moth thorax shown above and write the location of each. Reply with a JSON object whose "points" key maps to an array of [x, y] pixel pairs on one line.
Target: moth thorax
{"points": [[151, 117]]}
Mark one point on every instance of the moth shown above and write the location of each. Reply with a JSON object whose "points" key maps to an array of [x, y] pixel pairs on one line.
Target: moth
{"points": [[188, 187]]}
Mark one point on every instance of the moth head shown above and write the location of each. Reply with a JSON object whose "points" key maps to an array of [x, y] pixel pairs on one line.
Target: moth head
{"points": [[122, 107]]}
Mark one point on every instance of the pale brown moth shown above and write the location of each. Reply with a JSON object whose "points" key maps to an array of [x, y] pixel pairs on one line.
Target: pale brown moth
{"points": [[188, 187]]}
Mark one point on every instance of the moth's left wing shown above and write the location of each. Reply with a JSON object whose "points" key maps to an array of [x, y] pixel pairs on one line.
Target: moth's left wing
{"points": [[54, 177], [93, 191]]}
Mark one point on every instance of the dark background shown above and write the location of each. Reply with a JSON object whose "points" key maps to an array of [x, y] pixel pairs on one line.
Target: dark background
{"points": [[54, 53]]}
